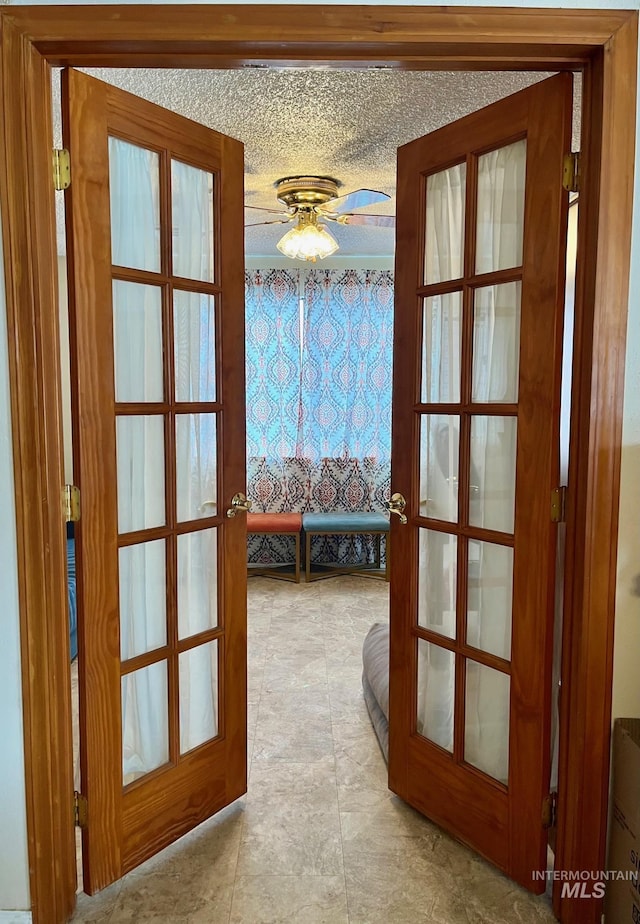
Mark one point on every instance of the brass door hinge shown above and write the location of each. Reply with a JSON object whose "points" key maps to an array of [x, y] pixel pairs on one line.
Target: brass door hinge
{"points": [[571, 172], [558, 504], [80, 810], [549, 810], [71, 502], [61, 168]]}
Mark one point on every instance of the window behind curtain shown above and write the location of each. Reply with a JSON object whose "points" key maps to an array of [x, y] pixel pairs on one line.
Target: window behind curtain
{"points": [[320, 389], [346, 365]]}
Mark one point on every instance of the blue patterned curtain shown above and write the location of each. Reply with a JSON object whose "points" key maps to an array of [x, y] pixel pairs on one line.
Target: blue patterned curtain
{"points": [[318, 400], [273, 362], [346, 365]]}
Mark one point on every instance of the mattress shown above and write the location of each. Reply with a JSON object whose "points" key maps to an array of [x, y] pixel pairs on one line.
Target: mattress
{"points": [[375, 681]]}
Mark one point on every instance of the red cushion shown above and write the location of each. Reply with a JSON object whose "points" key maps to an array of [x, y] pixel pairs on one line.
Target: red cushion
{"points": [[274, 522]]}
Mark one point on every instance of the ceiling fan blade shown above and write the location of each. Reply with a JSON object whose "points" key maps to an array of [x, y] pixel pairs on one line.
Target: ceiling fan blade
{"points": [[259, 208], [353, 200], [276, 221], [373, 221]]}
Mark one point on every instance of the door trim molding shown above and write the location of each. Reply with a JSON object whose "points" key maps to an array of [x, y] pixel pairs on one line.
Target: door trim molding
{"points": [[601, 43]]}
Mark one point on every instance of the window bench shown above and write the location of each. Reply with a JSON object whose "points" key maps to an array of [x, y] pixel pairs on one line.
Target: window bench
{"points": [[346, 524], [280, 524]]}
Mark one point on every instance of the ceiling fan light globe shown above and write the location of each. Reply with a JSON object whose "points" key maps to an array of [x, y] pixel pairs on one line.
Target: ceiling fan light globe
{"points": [[308, 242]]}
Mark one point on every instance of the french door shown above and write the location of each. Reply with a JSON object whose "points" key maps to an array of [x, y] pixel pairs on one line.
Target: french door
{"points": [[480, 255], [156, 277]]}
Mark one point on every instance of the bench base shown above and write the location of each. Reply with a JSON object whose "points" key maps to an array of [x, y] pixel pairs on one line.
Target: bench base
{"points": [[329, 570], [276, 525]]}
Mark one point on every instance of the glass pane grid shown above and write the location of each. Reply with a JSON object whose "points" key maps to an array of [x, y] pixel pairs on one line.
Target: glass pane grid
{"points": [[164, 345], [470, 364]]}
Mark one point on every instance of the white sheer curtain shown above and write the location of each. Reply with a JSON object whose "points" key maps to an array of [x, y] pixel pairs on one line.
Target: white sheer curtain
{"points": [[496, 334], [138, 373], [501, 179], [444, 251]]}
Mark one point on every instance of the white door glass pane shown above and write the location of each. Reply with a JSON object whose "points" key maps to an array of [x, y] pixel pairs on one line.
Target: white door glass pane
{"points": [[134, 188], [198, 695], [439, 440], [496, 343], [196, 471], [145, 721], [436, 691], [490, 598], [143, 598], [501, 179], [437, 568], [140, 458], [486, 730], [493, 472], [194, 325], [192, 210], [197, 582], [137, 342], [444, 236], [441, 338]]}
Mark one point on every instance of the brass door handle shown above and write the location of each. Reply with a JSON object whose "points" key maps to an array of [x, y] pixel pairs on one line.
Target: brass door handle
{"points": [[397, 505], [239, 503]]}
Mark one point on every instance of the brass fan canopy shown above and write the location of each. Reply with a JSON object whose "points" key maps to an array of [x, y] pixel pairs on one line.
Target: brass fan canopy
{"points": [[305, 192]]}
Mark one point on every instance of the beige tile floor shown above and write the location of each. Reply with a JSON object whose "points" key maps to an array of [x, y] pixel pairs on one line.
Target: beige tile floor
{"points": [[318, 839]]}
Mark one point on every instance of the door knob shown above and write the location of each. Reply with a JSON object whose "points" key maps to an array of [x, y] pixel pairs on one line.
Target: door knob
{"points": [[396, 505], [239, 503]]}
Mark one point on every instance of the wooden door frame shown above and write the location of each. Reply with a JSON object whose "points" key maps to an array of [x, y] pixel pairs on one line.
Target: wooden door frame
{"points": [[603, 44]]}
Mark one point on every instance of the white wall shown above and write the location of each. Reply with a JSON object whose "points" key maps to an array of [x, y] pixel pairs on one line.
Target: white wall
{"points": [[626, 682], [13, 859], [14, 878]]}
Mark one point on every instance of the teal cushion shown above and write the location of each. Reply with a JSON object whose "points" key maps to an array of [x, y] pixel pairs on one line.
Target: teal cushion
{"points": [[340, 522]]}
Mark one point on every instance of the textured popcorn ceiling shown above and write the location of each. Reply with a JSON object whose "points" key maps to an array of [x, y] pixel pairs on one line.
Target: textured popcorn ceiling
{"points": [[318, 121]]}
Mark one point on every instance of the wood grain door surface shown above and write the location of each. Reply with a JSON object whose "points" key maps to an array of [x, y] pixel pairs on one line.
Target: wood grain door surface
{"points": [[162, 677], [477, 358]]}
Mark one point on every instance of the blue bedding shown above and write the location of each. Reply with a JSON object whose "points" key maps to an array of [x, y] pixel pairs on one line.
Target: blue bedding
{"points": [[71, 585]]}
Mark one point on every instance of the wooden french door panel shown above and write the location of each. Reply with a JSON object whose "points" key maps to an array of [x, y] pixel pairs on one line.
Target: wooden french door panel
{"points": [[464, 646], [149, 823], [157, 331]]}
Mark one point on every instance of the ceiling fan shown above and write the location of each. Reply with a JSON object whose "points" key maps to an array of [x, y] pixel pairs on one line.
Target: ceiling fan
{"points": [[311, 201]]}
